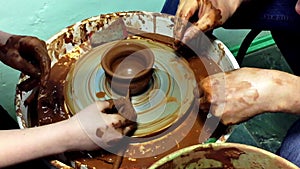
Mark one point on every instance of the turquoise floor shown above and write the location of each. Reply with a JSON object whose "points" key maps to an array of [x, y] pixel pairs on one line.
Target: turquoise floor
{"points": [[267, 130]]}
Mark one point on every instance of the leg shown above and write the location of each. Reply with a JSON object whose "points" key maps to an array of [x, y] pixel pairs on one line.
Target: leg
{"points": [[288, 44], [290, 147], [170, 7], [256, 14], [265, 15], [277, 16]]}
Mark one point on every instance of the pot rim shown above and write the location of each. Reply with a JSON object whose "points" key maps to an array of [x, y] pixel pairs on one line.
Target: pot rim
{"points": [[142, 49]]}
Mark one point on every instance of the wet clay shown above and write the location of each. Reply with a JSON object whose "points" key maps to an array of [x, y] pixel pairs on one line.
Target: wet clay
{"points": [[210, 17], [202, 67], [49, 107], [223, 155], [107, 160], [100, 94], [103, 159]]}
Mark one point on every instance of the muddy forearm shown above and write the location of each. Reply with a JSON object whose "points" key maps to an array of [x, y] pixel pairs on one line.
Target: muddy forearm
{"points": [[286, 93]]}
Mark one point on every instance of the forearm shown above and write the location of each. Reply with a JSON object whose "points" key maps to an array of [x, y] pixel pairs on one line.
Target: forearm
{"points": [[286, 93], [3, 37], [22, 145]]}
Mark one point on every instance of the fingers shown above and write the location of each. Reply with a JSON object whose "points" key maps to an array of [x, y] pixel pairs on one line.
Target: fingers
{"points": [[126, 109], [204, 105], [102, 105], [125, 122], [232, 102], [35, 51], [129, 129], [209, 17], [185, 11], [44, 64], [208, 94], [28, 84], [100, 127], [190, 33], [122, 106], [14, 60], [28, 55]]}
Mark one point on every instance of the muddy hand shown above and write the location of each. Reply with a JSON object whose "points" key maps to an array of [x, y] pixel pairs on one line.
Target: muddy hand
{"points": [[210, 14], [104, 129], [29, 55], [124, 107], [241, 94]]}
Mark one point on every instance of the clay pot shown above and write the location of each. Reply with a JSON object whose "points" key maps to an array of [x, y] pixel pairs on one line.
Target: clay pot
{"points": [[128, 67]]}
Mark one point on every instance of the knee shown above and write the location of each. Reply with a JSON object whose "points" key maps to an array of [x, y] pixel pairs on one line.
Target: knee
{"points": [[290, 147]]}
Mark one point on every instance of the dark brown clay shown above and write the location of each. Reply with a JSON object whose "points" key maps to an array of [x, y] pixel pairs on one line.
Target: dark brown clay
{"points": [[128, 66]]}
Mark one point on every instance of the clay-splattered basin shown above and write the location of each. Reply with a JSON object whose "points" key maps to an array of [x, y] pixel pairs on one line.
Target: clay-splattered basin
{"points": [[74, 42], [222, 155]]}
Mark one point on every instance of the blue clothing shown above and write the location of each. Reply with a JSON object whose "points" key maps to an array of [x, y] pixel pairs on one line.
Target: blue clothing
{"points": [[170, 7], [277, 16], [290, 147], [256, 14], [281, 19]]}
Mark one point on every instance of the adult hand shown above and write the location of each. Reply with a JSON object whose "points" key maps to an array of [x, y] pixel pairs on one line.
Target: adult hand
{"points": [[241, 94], [210, 14], [103, 125], [29, 55]]}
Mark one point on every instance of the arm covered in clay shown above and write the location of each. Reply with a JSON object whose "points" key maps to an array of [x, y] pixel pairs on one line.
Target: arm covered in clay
{"points": [[244, 93], [27, 54], [87, 130]]}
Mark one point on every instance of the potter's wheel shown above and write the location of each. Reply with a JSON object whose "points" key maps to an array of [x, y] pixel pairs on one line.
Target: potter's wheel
{"points": [[168, 97], [73, 42]]}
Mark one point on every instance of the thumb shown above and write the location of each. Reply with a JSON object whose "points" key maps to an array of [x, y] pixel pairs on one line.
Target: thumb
{"points": [[184, 12], [101, 105], [297, 7], [98, 126], [209, 18]]}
